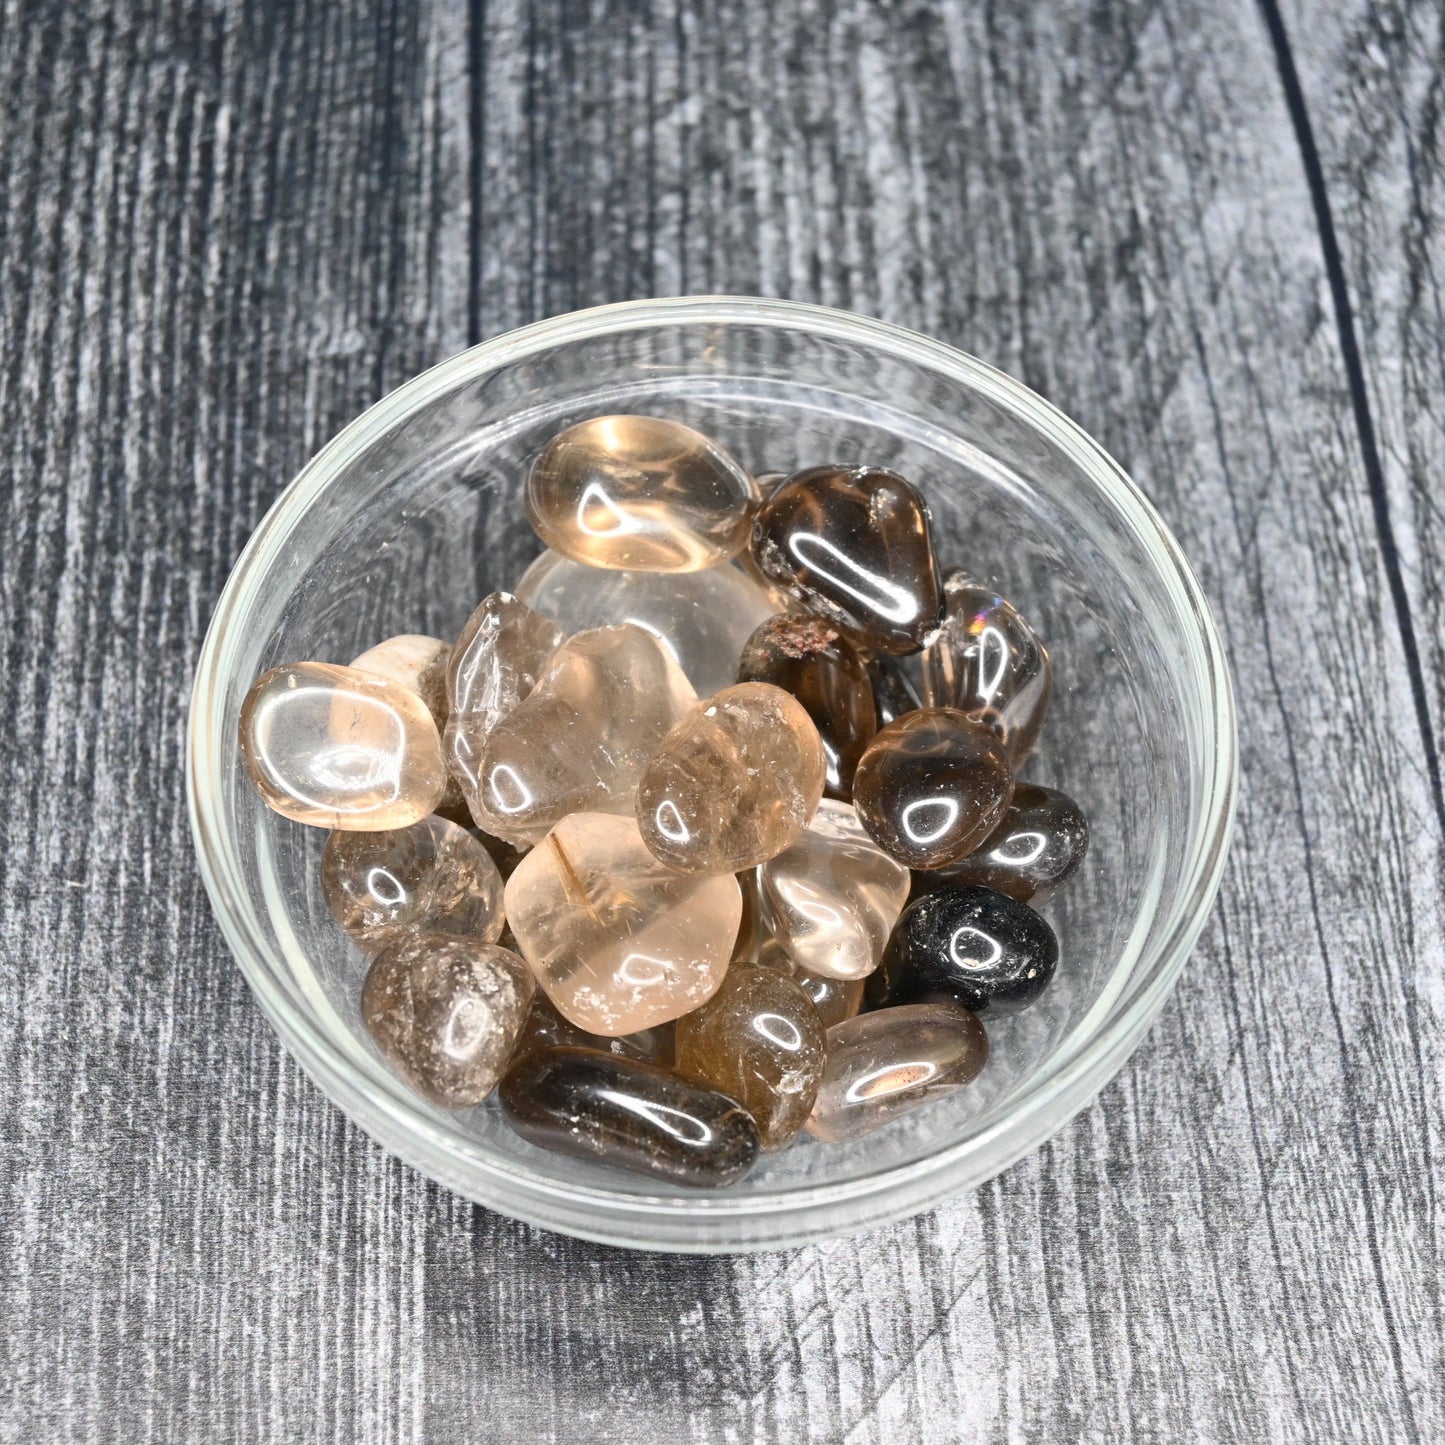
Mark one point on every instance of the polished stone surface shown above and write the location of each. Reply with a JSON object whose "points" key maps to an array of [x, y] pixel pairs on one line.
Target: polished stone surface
{"points": [[619, 941], [982, 949], [835, 999], [415, 661], [334, 747], [758, 1039], [854, 544], [986, 660], [932, 787], [734, 783], [640, 493], [884, 1064], [702, 618], [499, 657], [432, 876], [832, 898], [579, 741], [446, 1013], [630, 1115], [811, 659], [1032, 853]]}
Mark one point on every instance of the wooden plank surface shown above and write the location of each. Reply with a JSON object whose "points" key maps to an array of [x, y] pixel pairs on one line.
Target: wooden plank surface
{"points": [[1211, 233]]}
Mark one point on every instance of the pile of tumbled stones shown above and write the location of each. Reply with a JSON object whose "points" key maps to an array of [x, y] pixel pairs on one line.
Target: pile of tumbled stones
{"points": [[762, 874]]}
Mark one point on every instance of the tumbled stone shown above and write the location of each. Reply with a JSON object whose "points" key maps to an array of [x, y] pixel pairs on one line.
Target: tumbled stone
{"points": [[417, 662], [499, 657], [987, 661], [334, 747], [446, 1012], [641, 494], [894, 691], [932, 786], [579, 741], [432, 876], [734, 783], [619, 942], [630, 1115], [832, 898], [812, 660], [884, 1064], [702, 618], [759, 1040], [1031, 854], [854, 545], [835, 999], [545, 1028], [982, 949]]}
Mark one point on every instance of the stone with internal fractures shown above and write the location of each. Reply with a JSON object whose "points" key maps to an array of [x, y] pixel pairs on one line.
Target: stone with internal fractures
{"points": [[579, 742], [734, 783], [618, 941]]}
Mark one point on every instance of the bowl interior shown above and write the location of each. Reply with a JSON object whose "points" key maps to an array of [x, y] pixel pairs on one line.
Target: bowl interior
{"points": [[416, 512]]}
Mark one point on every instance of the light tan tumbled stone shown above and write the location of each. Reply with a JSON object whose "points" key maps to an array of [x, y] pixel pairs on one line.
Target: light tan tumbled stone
{"points": [[579, 742], [335, 747], [618, 941], [499, 657], [642, 493], [833, 897], [734, 783], [415, 661]]}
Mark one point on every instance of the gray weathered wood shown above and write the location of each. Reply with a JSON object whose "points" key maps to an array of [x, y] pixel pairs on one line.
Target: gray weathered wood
{"points": [[227, 229]]}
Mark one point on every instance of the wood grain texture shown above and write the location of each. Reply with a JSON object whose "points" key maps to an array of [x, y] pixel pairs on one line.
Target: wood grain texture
{"points": [[228, 229]]}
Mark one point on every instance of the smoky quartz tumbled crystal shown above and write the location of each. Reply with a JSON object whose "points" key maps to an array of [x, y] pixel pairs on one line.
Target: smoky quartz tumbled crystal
{"points": [[854, 544], [932, 786], [433, 876], [446, 1012], [642, 493], [629, 1114], [982, 949]]}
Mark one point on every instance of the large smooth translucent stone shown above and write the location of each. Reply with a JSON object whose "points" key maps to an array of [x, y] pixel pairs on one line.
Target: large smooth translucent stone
{"points": [[640, 493], [446, 1013], [833, 897], [630, 1115], [758, 1039], [579, 741], [335, 747], [619, 942], [702, 618], [987, 661], [884, 1064], [734, 783], [432, 876], [498, 659]]}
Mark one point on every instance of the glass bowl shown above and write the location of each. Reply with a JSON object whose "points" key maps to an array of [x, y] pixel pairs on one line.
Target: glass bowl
{"points": [[415, 511]]}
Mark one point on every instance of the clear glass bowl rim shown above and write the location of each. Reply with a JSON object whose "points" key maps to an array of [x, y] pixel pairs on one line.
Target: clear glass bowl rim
{"points": [[696, 1222]]}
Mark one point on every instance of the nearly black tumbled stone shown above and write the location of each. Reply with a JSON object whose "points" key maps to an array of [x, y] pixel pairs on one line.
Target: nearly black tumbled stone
{"points": [[854, 545], [983, 949], [629, 1114]]}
